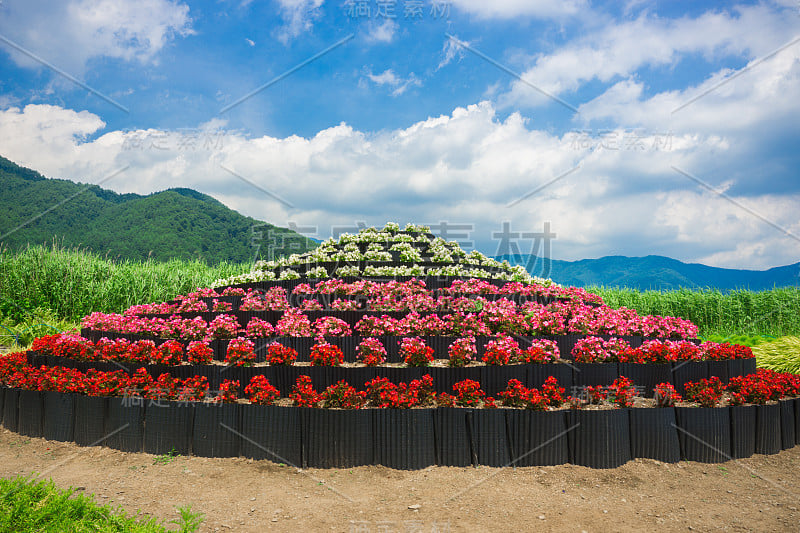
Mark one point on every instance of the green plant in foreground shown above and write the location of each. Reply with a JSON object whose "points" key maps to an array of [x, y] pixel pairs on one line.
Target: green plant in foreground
{"points": [[189, 521], [781, 355], [166, 458], [28, 505]]}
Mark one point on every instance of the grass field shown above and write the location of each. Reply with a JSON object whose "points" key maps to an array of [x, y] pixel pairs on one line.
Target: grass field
{"points": [[42, 284]]}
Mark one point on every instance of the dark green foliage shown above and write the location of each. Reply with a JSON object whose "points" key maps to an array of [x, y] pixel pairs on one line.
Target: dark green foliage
{"points": [[172, 224]]}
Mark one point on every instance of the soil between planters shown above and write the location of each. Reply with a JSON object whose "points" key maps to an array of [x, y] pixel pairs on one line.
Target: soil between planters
{"points": [[244, 495]]}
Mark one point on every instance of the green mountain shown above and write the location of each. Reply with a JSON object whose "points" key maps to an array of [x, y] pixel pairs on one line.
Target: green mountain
{"points": [[176, 223], [658, 273]]}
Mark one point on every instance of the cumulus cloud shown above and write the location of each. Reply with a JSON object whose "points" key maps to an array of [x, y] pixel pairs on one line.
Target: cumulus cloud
{"points": [[616, 51], [398, 84], [70, 34], [465, 167]]}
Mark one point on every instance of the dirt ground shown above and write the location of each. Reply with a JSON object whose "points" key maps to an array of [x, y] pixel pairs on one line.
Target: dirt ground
{"points": [[761, 493]]}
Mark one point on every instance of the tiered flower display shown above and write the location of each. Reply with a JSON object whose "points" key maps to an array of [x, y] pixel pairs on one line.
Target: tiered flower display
{"points": [[399, 303]]}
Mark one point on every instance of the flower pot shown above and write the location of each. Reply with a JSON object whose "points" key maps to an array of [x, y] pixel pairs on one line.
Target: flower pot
{"points": [[768, 429], [272, 433], [90, 415], [125, 424], [704, 433], [404, 438], [494, 378], [11, 409], [743, 431], [537, 438], [797, 420], [216, 430], [538, 374], [653, 434], [337, 438], [31, 411], [599, 439], [721, 369], [486, 429], [787, 423], [685, 371], [586, 374], [452, 439], [646, 376], [168, 427]]}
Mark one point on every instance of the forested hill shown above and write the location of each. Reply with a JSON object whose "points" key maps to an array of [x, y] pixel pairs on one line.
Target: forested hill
{"points": [[176, 223]]}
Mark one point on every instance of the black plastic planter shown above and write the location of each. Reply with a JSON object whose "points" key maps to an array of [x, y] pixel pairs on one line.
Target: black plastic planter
{"points": [[90, 415], [537, 438], [685, 371], [646, 376], [538, 374], [743, 431], [2, 400], [272, 433], [721, 369], [168, 427], [216, 430], [337, 438], [31, 411], [768, 429], [494, 379], [586, 374], [704, 433], [11, 409], [59, 416], [599, 439], [787, 424], [797, 420], [653, 434], [486, 429], [748, 366], [125, 424], [404, 439], [452, 440]]}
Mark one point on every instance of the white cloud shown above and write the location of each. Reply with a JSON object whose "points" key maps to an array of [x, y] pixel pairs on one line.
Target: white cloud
{"points": [[619, 50], [466, 167], [70, 34], [298, 16], [250, 42], [382, 33], [398, 84], [450, 51], [506, 9]]}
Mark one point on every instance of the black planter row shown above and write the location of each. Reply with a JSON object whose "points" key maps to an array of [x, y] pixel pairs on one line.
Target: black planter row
{"points": [[493, 379], [405, 439]]}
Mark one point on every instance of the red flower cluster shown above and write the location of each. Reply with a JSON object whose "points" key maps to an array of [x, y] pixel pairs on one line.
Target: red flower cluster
{"points": [[501, 351], [325, 354], [240, 352], [666, 395], [371, 352], [261, 392], [278, 354], [342, 396], [228, 391], [761, 387], [415, 352], [517, 395], [706, 392]]}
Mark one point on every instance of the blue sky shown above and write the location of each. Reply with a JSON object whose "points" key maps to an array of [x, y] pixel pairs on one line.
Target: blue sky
{"points": [[633, 128]]}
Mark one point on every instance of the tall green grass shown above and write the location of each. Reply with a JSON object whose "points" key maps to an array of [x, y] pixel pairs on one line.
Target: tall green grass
{"points": [[73, 282], [775, 312]]}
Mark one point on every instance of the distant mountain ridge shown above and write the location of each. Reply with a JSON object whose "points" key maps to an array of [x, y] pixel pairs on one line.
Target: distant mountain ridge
{"points": [[658, 273], [176, 223]]}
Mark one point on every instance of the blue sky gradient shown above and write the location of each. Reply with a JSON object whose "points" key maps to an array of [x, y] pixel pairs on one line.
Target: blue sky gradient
{"points": [[681, 118]]}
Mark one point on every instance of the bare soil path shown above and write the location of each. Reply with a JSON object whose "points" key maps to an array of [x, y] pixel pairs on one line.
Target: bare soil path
{"points": [[761, 493]]}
